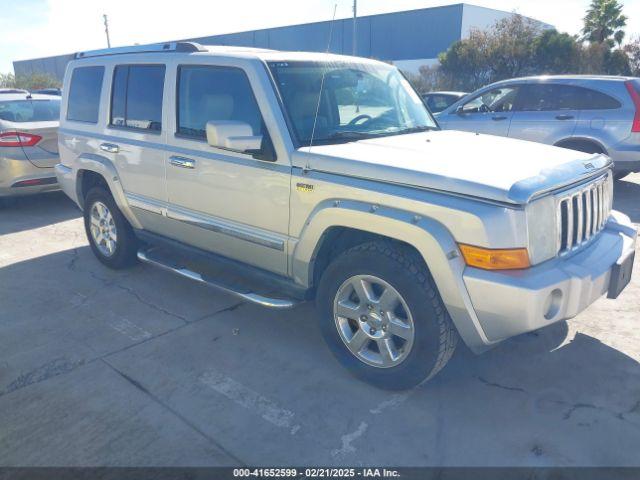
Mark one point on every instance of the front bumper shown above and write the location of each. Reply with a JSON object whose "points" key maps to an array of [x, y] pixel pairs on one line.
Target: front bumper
{"points": [[15, 175], [509, 303]]}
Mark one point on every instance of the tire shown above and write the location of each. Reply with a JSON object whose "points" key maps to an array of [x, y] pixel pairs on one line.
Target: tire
{"points": [[124, 249], [434, 335]]}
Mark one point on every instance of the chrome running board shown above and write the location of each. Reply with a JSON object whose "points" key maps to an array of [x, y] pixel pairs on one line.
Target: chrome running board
{"points": [[249, 296]]}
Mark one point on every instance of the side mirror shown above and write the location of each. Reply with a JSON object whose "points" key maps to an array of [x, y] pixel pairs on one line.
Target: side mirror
{"points": [[460, 110], [233, 135]]}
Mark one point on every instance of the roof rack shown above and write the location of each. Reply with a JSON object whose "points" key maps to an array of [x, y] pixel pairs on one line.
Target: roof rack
{"points": [[152, 48]]}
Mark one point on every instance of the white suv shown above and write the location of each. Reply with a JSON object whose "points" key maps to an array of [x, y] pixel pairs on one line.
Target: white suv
{"points": [[282, 177]]}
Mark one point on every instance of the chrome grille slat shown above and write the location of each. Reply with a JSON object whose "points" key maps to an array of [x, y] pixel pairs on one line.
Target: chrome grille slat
{"points": [[579, 217], [582, 213], [596, 193], [587, 211], [569, 234]]}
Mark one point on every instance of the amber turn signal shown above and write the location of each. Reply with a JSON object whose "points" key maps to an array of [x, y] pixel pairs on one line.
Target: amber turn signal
{"points": [[489, 259]]}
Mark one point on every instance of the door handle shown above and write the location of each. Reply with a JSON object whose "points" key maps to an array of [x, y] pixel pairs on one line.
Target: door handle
{"points": [[182, 162], [564, 117], [109, 147], [500, 117]]}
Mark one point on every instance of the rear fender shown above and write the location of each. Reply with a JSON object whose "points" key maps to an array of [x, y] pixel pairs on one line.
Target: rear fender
{"points": [[104, 167]]}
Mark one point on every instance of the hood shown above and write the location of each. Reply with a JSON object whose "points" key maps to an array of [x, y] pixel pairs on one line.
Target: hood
{"points": [[484, 166]]}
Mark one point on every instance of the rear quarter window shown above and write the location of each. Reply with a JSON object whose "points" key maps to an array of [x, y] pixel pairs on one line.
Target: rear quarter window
{"points": [[136, 97], [84, 94], [594, 100]]}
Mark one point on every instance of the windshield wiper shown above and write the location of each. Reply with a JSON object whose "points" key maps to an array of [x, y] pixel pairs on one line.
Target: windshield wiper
{"points": [[347, 136], [350, 134], [421, 128]]}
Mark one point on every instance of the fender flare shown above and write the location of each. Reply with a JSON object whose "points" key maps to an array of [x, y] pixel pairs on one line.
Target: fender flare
{"points": [[429, 237], [595, 141], [104, 167]]}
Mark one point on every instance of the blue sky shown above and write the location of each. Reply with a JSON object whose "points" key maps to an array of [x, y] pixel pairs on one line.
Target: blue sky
{"points": [[36, 28]]}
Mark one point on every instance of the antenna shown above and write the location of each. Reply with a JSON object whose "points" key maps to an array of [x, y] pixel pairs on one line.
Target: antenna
{"points": [[355, 18], [106, 29], [315, 119]]}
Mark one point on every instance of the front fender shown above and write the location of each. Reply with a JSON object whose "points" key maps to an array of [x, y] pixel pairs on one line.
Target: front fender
{"points": [[429, 237], [106, 168]]}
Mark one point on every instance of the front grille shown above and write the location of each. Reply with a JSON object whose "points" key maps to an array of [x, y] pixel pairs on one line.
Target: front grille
{"points": [[582, 213]]}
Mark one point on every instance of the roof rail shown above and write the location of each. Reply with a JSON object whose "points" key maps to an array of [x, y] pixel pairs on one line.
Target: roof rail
{"points": [[154, 47]]}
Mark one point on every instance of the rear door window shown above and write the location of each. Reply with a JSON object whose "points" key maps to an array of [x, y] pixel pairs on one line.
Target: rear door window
{"points": [[543, 97], [84, 94], [30, 110], [136, 98]]}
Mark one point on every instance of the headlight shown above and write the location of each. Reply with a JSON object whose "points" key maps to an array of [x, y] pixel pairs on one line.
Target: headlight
{"points": [[541, 229]]}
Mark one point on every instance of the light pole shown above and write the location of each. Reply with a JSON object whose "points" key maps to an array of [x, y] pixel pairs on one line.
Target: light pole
{"points": [[106, 29], [355, 16]]}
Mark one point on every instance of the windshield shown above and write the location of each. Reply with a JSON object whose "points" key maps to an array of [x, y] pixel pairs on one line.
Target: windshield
{"points": [[30, 110], [358, 101]]}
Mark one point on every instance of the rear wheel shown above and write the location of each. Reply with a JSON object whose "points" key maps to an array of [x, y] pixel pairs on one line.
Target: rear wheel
{"points": [[382, 317], [110, 236]]}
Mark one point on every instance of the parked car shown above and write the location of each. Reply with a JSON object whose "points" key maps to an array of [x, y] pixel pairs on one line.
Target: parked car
{"points": [[28, 143], [438, 101], [267, 175], [49, 91], [592, 114]]}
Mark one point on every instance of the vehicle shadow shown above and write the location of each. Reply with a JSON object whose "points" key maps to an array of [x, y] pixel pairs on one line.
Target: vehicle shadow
{"points": [[550, 397], [627, 197], [34, 211], [557, 376]]}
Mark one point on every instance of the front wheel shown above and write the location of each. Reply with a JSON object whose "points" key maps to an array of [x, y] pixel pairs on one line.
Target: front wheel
{"points": [[382, 317], [110, 236]]}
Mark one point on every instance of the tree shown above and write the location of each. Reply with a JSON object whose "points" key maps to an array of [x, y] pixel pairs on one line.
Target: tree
{"points": [[465, 63], [617, 63], [556, 53], [604, 22], [514, 47], [33, 81], [511, 47], [632, 49]]}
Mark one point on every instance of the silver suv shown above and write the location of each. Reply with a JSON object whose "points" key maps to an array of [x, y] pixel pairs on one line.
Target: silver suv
{"points": [[592, 114], [284, 177]]}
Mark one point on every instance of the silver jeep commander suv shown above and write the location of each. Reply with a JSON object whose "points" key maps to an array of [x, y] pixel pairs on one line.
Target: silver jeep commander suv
{"points": [[284, 177]]}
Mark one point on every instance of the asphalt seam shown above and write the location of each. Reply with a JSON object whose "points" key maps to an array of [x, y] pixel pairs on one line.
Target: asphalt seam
{"points": [[572, 407], [51, 369], [174, 412]]}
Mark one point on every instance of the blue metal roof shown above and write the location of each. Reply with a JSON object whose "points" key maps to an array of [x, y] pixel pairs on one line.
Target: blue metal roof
{"points": [[407, 35], [404, 35]]}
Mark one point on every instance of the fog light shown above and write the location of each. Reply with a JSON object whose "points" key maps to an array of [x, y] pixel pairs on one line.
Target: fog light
{"points": [[552, 304]]}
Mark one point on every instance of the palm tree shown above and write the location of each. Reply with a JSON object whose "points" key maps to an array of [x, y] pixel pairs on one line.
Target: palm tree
{"points": [[604, 20]]}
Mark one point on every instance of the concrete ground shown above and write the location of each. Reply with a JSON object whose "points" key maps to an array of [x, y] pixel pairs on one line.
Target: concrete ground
{"points": [[141, 368]]}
